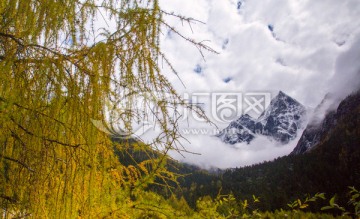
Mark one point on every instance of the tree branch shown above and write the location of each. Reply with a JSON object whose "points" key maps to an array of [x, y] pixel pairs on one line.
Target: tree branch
{"points": [[45, 138], [18, 162]]}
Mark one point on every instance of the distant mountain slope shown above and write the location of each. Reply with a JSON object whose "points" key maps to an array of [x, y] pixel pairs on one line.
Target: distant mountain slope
{"points": [[280, 121], [315, 133]]}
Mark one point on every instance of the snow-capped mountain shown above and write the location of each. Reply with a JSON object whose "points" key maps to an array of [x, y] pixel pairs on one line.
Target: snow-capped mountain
{"points": [[280, 121]]}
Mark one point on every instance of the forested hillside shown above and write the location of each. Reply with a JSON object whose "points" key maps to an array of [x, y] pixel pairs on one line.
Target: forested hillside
{"points": [[330, 167]]}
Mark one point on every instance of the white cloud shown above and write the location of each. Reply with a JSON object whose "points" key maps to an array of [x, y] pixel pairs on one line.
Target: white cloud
{"points": [[212, 152], [347, 71]]}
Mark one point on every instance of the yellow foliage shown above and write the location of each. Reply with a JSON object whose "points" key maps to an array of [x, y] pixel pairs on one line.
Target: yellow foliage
{"points": [[55, 73]]}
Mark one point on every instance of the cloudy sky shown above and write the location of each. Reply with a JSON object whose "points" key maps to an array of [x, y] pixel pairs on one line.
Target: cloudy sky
{"points": [[298, 56], [304, 48]]}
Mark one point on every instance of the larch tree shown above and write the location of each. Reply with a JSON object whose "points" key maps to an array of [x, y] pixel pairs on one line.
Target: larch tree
{"points": [[56, 71]]}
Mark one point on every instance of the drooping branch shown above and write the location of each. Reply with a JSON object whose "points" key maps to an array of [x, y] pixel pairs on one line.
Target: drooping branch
{"points": [[18, 162], [46, 138]]}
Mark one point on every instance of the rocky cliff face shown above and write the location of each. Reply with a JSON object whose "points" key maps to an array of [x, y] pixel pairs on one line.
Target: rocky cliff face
{"points": [[315, 133]]}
